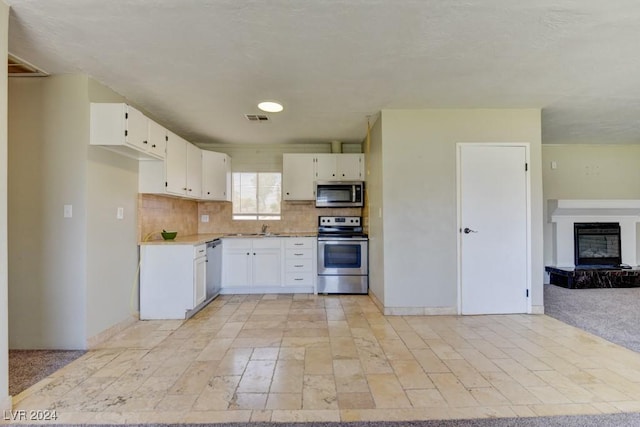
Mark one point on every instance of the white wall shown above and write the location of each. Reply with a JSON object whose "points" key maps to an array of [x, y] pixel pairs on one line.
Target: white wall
{"points": [[587, 171], [47, 253], [5, 399], [71, 278], [112, 251], [268, 158], [419, 198]]}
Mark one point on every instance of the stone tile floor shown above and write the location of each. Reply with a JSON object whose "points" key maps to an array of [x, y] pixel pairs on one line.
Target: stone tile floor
{"points": [[337, 358]]}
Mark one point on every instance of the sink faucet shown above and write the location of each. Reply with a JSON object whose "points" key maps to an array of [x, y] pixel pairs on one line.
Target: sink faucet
{"points": [[264, 228]]}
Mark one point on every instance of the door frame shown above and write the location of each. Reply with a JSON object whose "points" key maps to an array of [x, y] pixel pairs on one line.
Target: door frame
{"points": [[459, 147]]}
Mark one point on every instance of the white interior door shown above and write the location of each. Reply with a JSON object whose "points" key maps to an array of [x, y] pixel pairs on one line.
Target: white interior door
{"points": [[493, 228]]}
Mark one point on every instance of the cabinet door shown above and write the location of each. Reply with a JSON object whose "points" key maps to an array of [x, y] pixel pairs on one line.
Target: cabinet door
{"points": [[200, 280], [216, 176], [166, 281], [267, 267], [157, 139], [325, 167], [137, 129], [194, 171], [298, 176], [350, 167], [236, 268], [176, 165]]}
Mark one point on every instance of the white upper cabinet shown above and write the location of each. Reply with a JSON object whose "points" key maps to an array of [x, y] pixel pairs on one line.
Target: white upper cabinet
{"points": [[123, 129], [340, 167], [183, 165], [194, 171], [216, 176], [325, 168], [350, 167], [136, 128], [300, 171], [176, 165], [298, 176], [157, 139], [180, 173]]}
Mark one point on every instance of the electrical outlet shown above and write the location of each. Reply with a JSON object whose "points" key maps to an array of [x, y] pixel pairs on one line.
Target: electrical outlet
{"points": [[204, 218], [120, 213], [68, 211]]}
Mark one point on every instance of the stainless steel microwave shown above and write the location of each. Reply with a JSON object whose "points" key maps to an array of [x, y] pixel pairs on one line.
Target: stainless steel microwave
{"points": [[339, 194]]}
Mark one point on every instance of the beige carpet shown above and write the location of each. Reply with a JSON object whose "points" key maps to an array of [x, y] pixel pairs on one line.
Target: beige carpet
{"points": [[27, 367]]}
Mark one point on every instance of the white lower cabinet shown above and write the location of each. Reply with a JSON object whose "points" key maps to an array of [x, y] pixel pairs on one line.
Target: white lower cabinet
{"points": [[299, 262], [268, 265], [172, 280], [249, 263]]}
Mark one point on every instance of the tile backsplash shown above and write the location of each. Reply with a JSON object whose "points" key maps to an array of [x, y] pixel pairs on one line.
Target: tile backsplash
{"points": [[296, 217], [156, 213]]}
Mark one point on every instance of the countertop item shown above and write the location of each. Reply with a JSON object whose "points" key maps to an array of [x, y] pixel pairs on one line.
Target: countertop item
{"points": [[196, 239], [169, 235]]}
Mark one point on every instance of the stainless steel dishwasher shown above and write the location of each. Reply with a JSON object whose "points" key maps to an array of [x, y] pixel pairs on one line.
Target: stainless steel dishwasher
{"points": [[214, 268]]}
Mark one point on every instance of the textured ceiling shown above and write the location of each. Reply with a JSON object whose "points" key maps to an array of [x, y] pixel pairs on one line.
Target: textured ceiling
{"points": [[198, 66]]}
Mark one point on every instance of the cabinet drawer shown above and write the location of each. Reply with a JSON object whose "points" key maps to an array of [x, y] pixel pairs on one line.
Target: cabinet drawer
{"points": [[267, 243], [302, 265], [299, 243], [236, 243], [298, 279], [199, 251], [299, 253]]}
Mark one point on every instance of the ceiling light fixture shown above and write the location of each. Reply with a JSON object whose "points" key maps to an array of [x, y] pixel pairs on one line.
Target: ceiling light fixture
{"points": [[270, 106]]}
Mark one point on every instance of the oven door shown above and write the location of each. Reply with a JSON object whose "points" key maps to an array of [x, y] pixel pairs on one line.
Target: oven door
{"points": [[343, 257]]}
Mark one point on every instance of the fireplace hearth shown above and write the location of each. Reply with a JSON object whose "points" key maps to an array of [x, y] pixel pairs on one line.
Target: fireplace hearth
{"points": [[597, 244], [603, 253]]}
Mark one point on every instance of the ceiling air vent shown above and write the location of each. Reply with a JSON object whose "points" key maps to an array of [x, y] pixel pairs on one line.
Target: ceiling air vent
{"points": [[18, 67], [257, 118]]}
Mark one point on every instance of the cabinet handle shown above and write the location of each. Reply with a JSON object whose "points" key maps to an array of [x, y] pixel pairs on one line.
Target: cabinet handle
{"points": [[189, 189], [247, 253], [298, 254], [145, 142], [333, 174], [287, 193], [254, 253], [299, 265], [298, 279], [298, 244], [208, 192], [153, 146], [184, 188]]}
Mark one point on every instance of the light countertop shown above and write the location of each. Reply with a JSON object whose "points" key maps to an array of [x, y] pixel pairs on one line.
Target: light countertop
{"points": [[197, 239]]}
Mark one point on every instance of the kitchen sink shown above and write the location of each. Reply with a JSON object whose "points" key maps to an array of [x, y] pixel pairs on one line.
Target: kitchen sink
{"points": [[254, 234]]}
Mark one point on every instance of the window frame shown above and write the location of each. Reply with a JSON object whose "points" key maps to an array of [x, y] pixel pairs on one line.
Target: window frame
{"points": [[258, 215]]}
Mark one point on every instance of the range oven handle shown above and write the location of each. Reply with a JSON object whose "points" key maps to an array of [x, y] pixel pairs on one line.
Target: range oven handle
{"points": [[346, 241]]}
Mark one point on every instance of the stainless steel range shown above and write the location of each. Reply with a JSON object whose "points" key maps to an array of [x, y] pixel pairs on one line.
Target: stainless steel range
{"points": [[343, 256]]}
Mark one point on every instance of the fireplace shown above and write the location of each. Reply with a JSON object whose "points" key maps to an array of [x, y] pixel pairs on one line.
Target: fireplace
{"points": [[597, 244]]}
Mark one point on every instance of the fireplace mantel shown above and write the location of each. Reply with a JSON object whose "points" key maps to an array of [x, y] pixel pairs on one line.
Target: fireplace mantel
{"points": [[564, 213]]}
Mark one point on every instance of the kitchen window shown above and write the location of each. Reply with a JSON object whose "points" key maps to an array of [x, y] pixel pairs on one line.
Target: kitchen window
{"points": [[256, 195]]}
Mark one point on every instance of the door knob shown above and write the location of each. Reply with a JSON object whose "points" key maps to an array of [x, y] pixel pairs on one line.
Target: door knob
{"points": [[467, 230]]}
